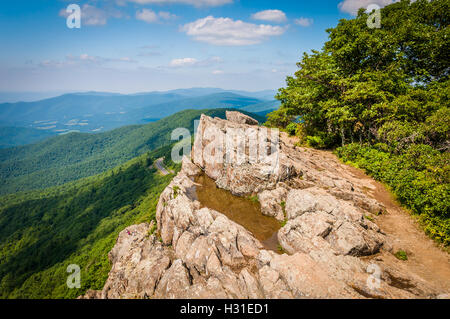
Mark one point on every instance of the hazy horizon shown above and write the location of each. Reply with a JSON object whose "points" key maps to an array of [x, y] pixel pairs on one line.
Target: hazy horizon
{"points": [[30, 96]]}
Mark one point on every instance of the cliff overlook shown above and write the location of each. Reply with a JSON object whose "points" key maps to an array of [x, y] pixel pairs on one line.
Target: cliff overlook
{"points": [[337, 235]]}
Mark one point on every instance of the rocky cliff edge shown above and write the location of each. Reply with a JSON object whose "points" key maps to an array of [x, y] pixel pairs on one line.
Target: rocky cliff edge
{"points": [[328, 240]]}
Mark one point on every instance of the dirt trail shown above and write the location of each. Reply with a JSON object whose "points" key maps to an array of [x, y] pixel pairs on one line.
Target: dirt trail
{"points": [[425, 259]]}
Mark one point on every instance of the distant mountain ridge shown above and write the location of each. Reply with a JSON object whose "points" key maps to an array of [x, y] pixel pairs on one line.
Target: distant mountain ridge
{"points": [[102, 111]]}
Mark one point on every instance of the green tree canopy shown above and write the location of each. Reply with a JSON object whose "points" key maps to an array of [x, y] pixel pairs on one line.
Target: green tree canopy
{"points": [[366, 77]]}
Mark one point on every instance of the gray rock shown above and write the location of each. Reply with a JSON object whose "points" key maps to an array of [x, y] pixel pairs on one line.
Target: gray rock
{"points": [[271, 200], [237, 117]]}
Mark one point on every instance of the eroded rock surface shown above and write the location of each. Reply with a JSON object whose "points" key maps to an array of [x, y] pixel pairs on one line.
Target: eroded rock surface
{"points": [[328, 241]]}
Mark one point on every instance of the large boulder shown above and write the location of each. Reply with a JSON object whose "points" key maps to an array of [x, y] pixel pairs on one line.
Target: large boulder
{"points": [[239, 118], [241, 158], [317, 219], [273, 202]]}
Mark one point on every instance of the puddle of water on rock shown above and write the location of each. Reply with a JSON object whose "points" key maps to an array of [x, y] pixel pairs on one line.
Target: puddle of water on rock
{"points": [[241, 210]]}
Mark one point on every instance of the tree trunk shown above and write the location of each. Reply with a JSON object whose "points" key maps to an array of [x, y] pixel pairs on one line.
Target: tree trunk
{"points": [[342, 135]]}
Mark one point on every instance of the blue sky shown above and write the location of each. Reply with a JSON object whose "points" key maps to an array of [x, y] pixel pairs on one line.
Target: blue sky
{"points": [[133, 46]]}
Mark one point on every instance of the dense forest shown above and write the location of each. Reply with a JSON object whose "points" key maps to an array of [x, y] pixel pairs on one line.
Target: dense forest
{"points": [[13, 136], [65, 158], [380, 98], [42, 232]]}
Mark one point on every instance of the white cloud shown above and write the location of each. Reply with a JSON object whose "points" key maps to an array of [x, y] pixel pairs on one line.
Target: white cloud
{"points": [[270, 15], [150, 16], [166, 15], [94, 16], [147, 15], [228, 32], [97, 59], [192, 62], [352, 6], [197, 3], [217, 72], [304, 22], [183, 62]]}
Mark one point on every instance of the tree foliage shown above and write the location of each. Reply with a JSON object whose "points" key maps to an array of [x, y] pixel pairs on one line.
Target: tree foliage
{"points": [[42, 232]]}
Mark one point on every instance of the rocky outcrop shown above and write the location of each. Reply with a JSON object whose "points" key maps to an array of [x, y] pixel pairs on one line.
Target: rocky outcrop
{"points": [[273, 201], [320, 220], [239, 118], [242, 158], [197, 252]]}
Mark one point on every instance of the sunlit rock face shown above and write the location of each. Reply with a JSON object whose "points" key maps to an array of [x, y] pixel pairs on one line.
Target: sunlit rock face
{"points": [[242, 158], [326, 244]]}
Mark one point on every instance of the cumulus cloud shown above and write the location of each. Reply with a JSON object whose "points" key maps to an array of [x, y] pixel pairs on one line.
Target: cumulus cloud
{"points": [[270, 15], [147, 15], [150, 16], [304, 22], [93, 16], [197, 3], [352, 6], [229, 32]]}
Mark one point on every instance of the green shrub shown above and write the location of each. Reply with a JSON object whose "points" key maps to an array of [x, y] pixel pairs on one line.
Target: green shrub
{"points": [[315, 141], [401, 254], [291, 129], [281, 249], [254, 198], [176, 189], [153, 229]]}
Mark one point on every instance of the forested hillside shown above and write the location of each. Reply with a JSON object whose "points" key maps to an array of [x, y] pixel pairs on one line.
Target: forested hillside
{"points": [[381, 97], [65, 158], [42, 232], [13, 136]]}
